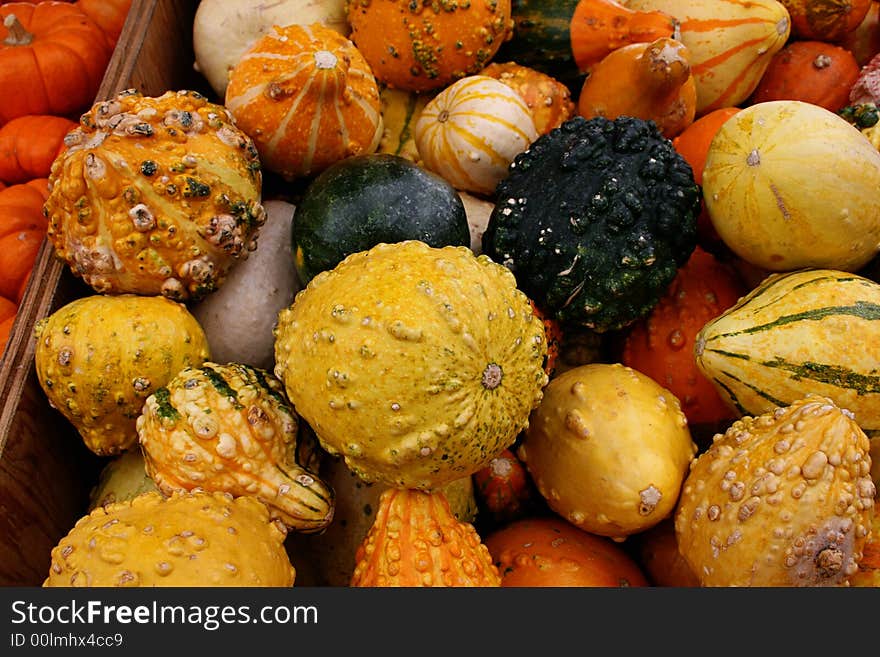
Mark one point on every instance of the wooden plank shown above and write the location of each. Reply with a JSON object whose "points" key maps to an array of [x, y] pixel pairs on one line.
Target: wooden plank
{"points": [[46, 471]]}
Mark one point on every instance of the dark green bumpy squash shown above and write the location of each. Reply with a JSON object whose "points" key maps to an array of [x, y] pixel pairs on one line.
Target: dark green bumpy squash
{"points": [[595, 219]]}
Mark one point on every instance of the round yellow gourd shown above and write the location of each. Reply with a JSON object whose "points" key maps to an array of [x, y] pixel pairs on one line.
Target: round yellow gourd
{"points": [[470, 132], [790, 185], [608, 448], [416, 364]]}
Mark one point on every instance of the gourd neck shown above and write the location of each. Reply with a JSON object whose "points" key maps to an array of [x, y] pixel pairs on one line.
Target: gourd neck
{"points": [[18, 36]]}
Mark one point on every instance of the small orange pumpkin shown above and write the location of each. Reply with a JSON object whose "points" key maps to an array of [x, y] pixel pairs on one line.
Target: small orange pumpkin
{"points": [[503, 488], [599, 27], [52, 59], [651, 81], [548, 99], [109, 15], [307, 98], [22, 231], [419, 46], [864, 41], [550, 552], [825, 20], [658, 555], [815, 72], [29, 144], [416, 540]]}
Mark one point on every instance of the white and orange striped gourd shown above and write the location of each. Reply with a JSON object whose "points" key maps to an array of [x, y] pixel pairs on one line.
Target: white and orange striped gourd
{"points": [[470, 132], [307, 98], [730, 42]]}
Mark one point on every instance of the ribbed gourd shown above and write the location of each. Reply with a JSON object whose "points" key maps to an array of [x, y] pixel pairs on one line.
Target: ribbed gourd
{"points": [[194, 539], [416, 364], [99, 357], [307, 97], [155, 195], [809, 331], [229, 428]]}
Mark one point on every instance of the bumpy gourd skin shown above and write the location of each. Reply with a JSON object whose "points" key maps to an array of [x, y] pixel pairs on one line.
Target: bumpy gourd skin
{"points": [[188, 539], [99, 357], [595, 219], [416, 364], [780, 499], [229, 428], [155, 196]]}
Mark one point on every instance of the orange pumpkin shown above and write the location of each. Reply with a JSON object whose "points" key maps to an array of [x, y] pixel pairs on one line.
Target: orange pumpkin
{"points": [[661, 345], [6, 326], [658, 555], [864, 41], [549, 100], [419, 46], [52, 59], [415, 540], [22, 230], [599, 27], [825, 20], [307, 98], [29, 144], [109, 15], [550, 552], [815, 72], [651, 81], [692, 144]]}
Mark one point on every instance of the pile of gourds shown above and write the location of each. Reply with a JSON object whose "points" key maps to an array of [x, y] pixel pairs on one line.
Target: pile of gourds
{"points": [[52, 59]]}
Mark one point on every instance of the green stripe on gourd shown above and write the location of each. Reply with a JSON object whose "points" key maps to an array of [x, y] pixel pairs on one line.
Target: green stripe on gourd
{"points": [[802, 332]]}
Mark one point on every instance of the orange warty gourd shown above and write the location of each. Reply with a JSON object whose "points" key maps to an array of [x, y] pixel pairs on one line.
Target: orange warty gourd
{"points": [[825, 20], [815, 72], [29, 144], [548, 551], [307, 97], [415, 540], [599, 27], [419, 46], [549, 100], [52, 59], [651, 81], [22, 230], [661, 345]]}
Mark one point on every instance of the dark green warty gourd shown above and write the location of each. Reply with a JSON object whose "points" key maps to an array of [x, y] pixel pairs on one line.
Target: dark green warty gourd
{"points": [[595, 219]]}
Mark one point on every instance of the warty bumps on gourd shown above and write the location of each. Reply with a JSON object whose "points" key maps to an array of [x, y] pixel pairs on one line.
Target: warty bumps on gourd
{"points": [[155, 195]]}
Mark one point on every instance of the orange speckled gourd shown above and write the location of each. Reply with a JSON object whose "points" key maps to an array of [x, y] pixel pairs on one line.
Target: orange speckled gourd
{"points": [[229, 428], [416, 541], [155, 195], [189, 539], [307, 97], [780, 499], [420, 46]]}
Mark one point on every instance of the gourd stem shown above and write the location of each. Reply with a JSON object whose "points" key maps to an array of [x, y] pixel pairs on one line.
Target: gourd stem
{"points": [[18, 36]]}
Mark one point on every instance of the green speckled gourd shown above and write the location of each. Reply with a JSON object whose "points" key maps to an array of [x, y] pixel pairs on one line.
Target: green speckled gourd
{"points": [[229, 428], [155, 195], [416, 364], [99, 357]]}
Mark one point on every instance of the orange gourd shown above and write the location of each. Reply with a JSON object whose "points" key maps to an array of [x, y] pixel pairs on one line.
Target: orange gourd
{"points": [[868, 574], [52, 59], [29, 144], [864, 41], [551, 552], [307, 98], [651, 81], [549, 100], [6, 329], [661, 345], [692, 144], [815, 72], [825, 20], [420, 46], [415, 540], [109, 15], [22, 231], [599, 27], [658, 555], [503, 489]]}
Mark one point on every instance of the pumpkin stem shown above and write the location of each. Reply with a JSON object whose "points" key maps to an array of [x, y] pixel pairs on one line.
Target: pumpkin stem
{"points": [[18, 36]]}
